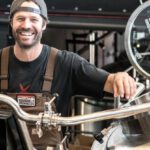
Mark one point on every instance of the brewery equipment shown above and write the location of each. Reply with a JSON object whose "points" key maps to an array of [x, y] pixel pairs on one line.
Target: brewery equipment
{"points": [[132, 133]]}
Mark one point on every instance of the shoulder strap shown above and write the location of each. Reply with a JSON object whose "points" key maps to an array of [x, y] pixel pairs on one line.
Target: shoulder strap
{"points": [[48, 77], [4, 68]]}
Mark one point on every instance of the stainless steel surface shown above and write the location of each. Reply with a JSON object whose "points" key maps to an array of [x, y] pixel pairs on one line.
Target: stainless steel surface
{"points": [[141, 2], [92, 48], [116, 140], [117, 103], [140, 89], [87, 105], [139, 123]]}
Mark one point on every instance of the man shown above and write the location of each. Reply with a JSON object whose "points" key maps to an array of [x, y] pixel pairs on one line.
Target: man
{"points": [[72, 74]]}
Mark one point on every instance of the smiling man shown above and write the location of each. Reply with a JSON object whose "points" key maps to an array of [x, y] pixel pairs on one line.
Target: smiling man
{"points": [[68, 74], [28, 25]]}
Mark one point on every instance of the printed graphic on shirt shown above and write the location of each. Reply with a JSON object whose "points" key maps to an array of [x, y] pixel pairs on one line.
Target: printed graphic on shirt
{"points": [[23, 89]]}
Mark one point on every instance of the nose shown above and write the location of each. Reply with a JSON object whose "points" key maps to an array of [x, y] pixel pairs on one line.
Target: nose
{"points": [[26, 24]]}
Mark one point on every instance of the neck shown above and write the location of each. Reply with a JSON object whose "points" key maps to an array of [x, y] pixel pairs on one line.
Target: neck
{"points": [[29, 54]]}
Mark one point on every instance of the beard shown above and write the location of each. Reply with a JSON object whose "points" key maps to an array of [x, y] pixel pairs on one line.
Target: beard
{"points": [[23, 45]]}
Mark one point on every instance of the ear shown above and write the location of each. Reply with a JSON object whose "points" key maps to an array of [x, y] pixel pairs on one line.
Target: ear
{"points": [[44, 25]]}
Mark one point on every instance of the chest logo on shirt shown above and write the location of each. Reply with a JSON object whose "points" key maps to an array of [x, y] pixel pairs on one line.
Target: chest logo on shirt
{"points": [[24, 89]]}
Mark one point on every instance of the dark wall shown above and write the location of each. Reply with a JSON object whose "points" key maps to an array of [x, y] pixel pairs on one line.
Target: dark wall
{"points": [[4, 32]]}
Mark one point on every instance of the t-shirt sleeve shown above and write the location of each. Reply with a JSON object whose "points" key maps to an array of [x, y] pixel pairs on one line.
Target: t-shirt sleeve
{"points": [[88, 79]]}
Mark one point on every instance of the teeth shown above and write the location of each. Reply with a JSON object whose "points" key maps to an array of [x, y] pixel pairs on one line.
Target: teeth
{"points": [[26, 33]]}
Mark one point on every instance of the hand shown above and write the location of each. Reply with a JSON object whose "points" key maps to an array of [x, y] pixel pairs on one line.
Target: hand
{"points": [[121, 84]]}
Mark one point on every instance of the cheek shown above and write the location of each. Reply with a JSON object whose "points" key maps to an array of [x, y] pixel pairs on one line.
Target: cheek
{"points": [[39, 28], [14, 29], [14, 26]]}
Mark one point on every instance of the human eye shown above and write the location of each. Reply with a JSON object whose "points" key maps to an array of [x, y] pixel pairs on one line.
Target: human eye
{"points": [[20, 19], [34, 20]]}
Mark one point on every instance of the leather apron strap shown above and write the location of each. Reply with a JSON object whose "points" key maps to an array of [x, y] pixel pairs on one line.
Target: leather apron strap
{"points": [[48, 77], [4, 68]]}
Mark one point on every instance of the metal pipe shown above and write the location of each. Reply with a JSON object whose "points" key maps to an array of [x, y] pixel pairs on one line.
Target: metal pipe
{"points": [[104, 115], [56, 120], [141, 2], [17, 110], [140, 89]]}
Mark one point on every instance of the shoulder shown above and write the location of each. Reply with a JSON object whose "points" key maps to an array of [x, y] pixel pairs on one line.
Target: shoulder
{"points": [[69, 57], [62, 54], [73, 62]]}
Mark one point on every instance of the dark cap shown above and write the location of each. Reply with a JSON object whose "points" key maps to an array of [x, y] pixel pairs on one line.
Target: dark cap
{"points": [[16, 5]]}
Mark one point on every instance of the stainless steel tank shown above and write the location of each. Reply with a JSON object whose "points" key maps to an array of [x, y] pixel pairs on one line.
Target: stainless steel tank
{"points": [[131, 133], [87, 105]]}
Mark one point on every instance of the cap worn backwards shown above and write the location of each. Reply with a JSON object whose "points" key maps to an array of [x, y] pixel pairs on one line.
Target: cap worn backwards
{"points": [[16, 6]]}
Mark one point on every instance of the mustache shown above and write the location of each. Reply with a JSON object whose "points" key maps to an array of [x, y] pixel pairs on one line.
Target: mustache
{"points": [[23, 30]]}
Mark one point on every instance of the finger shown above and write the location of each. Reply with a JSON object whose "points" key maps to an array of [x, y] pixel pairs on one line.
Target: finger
{"points": [[118, 86], [132, 87], [127, 88]]}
